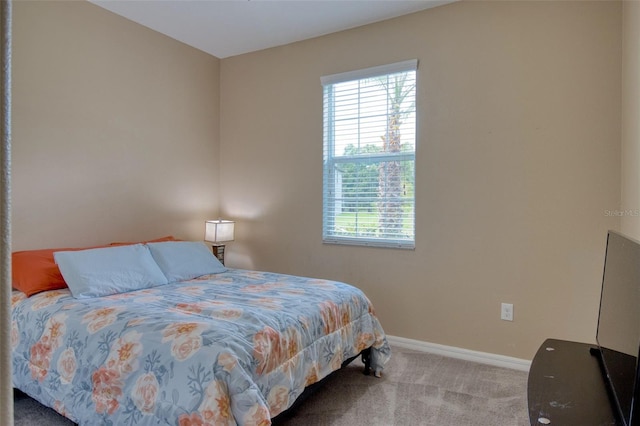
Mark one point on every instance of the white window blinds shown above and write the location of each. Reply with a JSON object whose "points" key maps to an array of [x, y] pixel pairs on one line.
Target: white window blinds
{"points": [[369, 156]]}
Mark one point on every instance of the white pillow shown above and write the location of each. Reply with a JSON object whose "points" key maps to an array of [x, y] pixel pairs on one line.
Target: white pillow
{"points": [[109, 270], [184, 260]]}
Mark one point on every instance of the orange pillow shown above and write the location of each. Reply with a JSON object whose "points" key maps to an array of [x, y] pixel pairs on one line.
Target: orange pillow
{"points": [[34, 271]]}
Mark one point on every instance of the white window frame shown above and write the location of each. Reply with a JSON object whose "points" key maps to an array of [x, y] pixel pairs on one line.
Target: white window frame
{"points": [[331, 180]]}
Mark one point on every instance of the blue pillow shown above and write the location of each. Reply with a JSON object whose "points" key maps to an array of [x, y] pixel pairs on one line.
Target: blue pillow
{"points": [[184, 260], [110, 270]]}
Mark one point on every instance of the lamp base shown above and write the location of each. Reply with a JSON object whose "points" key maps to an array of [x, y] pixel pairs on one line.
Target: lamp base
{"points": [[218, 252]]}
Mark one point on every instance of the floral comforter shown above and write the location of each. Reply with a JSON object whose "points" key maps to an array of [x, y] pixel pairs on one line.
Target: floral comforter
{"points": [[231, 348]]}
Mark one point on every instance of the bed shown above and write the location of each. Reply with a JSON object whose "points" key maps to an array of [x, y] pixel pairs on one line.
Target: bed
{"points": [[230, 347]]}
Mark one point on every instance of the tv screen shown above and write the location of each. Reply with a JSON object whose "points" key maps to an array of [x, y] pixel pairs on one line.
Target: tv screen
{"points": [[618, 333]]}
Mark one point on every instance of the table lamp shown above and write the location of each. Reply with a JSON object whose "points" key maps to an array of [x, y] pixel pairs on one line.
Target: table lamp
{"points": [[216, 232]]}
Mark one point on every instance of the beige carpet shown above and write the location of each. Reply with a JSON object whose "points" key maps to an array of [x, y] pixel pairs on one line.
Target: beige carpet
{"points": [[419, 389], [415, 389]]}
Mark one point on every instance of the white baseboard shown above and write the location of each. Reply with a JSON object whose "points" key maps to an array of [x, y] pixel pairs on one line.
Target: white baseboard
{"points": [[460, 353]]}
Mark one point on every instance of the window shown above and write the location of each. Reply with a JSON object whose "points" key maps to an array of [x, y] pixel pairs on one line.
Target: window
{"points": [[369, 156]]}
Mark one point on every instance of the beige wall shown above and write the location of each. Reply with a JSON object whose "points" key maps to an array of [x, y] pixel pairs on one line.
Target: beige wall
{"points": [[630, 123], [120, 133], [115, 129], [518, 160]]}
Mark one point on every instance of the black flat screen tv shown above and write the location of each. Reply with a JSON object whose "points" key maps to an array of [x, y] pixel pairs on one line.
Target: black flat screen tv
{"points": [[618, 333]]}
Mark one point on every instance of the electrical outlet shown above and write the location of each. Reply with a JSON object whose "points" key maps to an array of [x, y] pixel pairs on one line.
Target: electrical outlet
{"points": [[506, 311]]}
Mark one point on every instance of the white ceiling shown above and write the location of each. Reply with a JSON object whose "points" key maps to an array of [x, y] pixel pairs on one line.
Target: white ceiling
{"points": [[226, 28]]}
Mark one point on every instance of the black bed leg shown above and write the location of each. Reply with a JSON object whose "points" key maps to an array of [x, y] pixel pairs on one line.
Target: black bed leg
{"points": [[366, 359]]}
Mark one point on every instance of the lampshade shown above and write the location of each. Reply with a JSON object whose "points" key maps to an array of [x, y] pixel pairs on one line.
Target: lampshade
{"points": [[217, 231]]}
